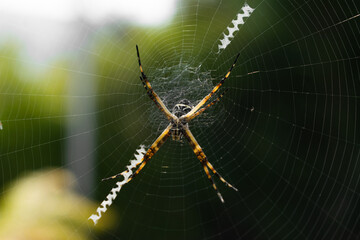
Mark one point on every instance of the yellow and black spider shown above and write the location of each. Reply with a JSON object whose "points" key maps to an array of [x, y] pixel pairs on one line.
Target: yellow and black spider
{"points": [[178, 128]]}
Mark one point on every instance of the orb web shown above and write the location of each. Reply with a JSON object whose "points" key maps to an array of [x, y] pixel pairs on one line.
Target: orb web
{"points": [[285, 134]]}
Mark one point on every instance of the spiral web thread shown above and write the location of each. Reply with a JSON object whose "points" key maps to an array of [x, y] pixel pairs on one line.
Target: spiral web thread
{"points": [[113, 193]]}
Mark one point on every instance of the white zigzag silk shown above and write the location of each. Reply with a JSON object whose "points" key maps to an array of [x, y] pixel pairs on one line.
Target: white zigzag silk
{"points": [[113, 193], [236, 22]]}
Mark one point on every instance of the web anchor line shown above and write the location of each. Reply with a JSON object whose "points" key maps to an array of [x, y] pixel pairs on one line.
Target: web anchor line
{"points": [[113, 193], [236, 22]]}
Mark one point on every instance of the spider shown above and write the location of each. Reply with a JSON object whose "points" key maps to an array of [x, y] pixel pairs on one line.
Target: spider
{"points": [[178, 127]]}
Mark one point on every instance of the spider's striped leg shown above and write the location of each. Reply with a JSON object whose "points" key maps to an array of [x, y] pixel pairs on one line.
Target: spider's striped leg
{"points": [[207, 97], [151, 92], [152, 150], [201, 156], [151, 96], [205, 163], [148, 155], [218, 175], [211, 180], [206, 107], [115, 176]]}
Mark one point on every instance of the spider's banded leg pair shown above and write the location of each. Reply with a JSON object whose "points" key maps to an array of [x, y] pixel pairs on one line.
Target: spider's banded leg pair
{"points": [[182, 120], [148, 155], [153, 96], [204, 162]]}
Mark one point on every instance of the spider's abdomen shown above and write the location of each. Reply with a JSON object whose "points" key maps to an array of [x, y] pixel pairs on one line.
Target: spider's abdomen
{"points": [[176, 133], [182, 108]]}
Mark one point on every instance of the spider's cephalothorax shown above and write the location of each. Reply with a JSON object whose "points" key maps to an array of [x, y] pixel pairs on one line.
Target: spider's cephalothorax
{"points": [[180, 109], [181, 115]]}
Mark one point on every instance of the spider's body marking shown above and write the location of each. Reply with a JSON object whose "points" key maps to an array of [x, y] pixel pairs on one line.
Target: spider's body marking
{"points": [[180, 109], [176, 133], [176, 130]]}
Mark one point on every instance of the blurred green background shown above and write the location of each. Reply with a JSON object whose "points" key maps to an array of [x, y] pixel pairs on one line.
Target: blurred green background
{"points": [[74, 111]]}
